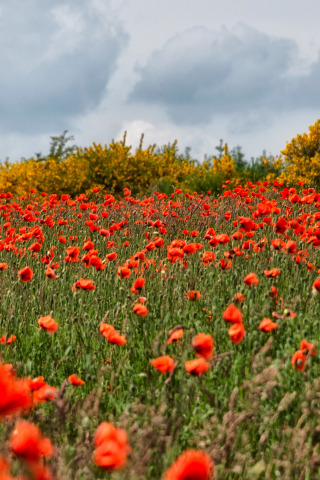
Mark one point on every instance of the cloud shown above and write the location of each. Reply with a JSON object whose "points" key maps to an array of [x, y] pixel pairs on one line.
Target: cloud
{"points": [[56, 61], [201, 74]]}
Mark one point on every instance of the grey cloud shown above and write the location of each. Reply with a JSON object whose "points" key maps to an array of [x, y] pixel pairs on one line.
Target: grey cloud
{"points": [[201, 74], [56, 61]]}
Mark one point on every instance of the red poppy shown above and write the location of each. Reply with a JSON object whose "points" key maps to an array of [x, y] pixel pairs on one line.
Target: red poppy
{"points": [[25, 274], [48, 323], [112, 335], [238, 297], [236, 332], [50, 273], [272, 273], [197, 366], [267, 325], [7, 340], [112, 447], [28, 443], [163, 364], [140, 309], [251, 279], [174, 336], [203, 345], [208, 257], [298, 360], [74, 380], [191, 465], [194, 295], [15, 393], [308, 348], [83, 284], [138, 285], [3, 266], [111, 256], [225, 264], [232, 314], [281, 225], [124, 272]]}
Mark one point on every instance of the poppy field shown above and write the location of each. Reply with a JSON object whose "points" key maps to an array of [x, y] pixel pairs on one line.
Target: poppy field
{"points": [[170, 337]]}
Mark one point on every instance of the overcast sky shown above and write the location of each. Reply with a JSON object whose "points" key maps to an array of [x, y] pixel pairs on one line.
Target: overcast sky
{"points": [[246, 71]]}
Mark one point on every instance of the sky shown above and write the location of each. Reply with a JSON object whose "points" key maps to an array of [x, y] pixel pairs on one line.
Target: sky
{"points": [[195, 71]]}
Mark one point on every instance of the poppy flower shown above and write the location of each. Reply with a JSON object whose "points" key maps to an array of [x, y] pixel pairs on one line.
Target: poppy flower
{"points": [[194, 295], [83, 284], [298, 360], [197, 366], [236, 332], [191, 465], [138, 285], [3, 266], [225, 264], [140, 309], [7, 340], [110, 333], [207, 258], [267, 325], [174, 336], [124, 272], [281, 225], [111, 256], [50, 273], [74, 380], [308, 348], [48, 323], [112, 447], [232, 314], [163, 364], [27, 442], [251, 279], [238, 298], [15, 393], [25, 274], [203, 345], [272, 273]]}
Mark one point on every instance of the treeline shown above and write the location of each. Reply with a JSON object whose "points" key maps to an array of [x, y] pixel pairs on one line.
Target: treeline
{"points": [[72, 170]]}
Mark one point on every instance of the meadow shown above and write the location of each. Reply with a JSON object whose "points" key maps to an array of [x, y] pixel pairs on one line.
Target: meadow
{"points": [[168, 337]]}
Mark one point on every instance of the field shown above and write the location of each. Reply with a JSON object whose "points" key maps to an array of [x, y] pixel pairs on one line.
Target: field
{"points": [[185, 327]]}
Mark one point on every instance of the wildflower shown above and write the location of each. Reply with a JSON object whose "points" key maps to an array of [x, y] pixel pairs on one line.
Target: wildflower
{"points": [[3, 266], [194, 295], [232, 314], [74, 380], [83, 284], [112, 447], [28, 443], [15, 393], [238, 298], [191, 465], [124, 272], [163, 364], [175, 335], [25, 274], [272, 273], [308, 348], [236, 332], [48, 323], [50, 273], [110, 333], [251, 279], [203, 345], [138, 285], [7, 340], [197, 366], [140, 309], [298, 360], [267, 325], [225, 264]]}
